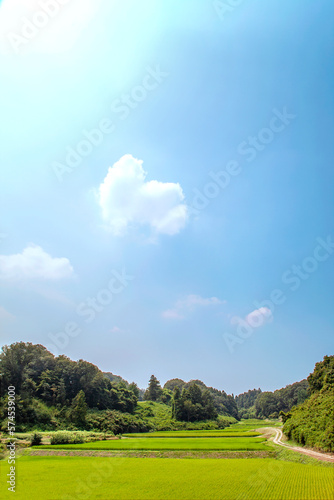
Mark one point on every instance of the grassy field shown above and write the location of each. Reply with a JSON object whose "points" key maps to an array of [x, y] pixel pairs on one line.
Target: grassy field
{"points": [[69, 478], [195, 434], [248, 425], [227, 443], [226, 464]]}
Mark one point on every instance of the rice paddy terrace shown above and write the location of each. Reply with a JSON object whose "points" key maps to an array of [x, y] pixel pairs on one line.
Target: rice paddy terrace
{"points": [[240, 462]]}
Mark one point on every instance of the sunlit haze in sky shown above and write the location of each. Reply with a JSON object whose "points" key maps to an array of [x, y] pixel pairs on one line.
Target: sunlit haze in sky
{"points": [[167, 186]]}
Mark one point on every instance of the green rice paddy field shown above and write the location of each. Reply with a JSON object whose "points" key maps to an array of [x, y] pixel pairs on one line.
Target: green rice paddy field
{"points": [[202, 443], [68, 478], [197, 434], [192, 470]]}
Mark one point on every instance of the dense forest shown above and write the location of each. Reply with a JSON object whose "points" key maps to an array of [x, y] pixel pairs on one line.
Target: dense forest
{"points": [[269, 404], [58, 393], [312, 422], [258, 404], [53, 392], [246, 403]]}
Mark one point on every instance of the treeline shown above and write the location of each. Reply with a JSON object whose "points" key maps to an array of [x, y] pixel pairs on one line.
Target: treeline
{"points": [[57, 393], [258, 404], [312, 422], [270, 404], [246, 403], [117, 379], [192, 401], [49, 389], [35, 372]]}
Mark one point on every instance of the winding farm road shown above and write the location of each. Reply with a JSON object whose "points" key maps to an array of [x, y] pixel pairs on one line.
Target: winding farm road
{"points": [[310, 453]]}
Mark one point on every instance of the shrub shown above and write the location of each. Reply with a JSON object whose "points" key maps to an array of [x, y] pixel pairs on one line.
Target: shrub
{"points": [[65, 437], [35, 439], [146, 412], [116, 422], [273, 415]]}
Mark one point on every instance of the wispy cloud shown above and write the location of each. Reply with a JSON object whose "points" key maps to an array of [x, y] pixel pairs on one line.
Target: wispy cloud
{"points": [[116, 329], [183, 307], [127, 199], [255, 319], [34, 263]]}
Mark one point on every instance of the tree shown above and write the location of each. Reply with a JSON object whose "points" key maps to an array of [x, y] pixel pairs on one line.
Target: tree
{"points": [[177, 407], [192, 412], [194, 393], [170, 384], [154, 390], [311, 423], [61, 393], [193, 404], [209, 408], [47, 387], [127, 401], [20, 361], [266, 404], [247, 399], [78, 409], [284, 416], [322, 375], [166, 396], [135, 389]]}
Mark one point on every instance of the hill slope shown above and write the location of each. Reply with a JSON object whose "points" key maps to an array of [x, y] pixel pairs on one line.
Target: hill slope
{"points": [[312, 422]]}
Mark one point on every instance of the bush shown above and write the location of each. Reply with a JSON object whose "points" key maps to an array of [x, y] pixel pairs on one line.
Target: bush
{"points": [[65, 437], [35, 439], [174, 425], [146, 412], [117, 422], [273, 415]]}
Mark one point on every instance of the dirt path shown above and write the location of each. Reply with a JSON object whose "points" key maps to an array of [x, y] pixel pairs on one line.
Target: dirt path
{"points": [[152, 454], [310, 453]]}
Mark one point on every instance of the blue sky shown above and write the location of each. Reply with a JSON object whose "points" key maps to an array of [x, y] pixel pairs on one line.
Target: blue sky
{"points": [[133, 256]]}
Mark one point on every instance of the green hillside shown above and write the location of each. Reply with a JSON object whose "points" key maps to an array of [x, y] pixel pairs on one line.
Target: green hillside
{"points": [[312, 422]]}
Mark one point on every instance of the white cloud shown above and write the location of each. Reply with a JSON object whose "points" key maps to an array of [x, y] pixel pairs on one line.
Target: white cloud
{"points": [[33, 263], [256, 318], [43, 26], [116, 329], [189, 304], [127, 199], [172, 314]]}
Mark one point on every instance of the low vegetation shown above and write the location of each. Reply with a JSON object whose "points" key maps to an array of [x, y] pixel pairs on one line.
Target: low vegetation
{"points": [[226, 443], [65, 437], [197, 434], [175, 479], [36, 439]]}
